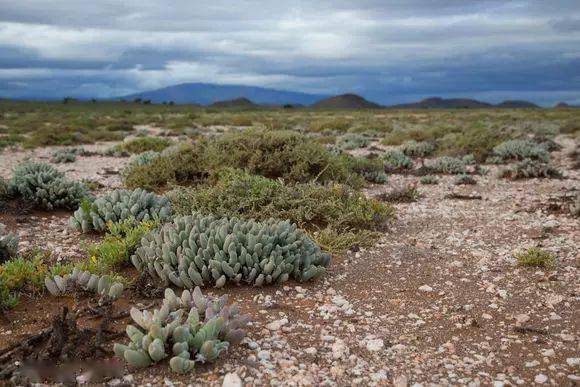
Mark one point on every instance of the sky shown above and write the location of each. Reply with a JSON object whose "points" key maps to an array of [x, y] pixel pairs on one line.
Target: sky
{"points": [[388, 51]]}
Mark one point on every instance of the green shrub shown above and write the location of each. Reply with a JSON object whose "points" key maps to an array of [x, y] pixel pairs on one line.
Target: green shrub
{"points": [[448, 165], [418, 149], [535, 257], [464, 179], [528, 169], [8, 244], [520, 150], [406, 194], [396, 160], [67, 155], [429, 179], [44, 186], [353, 141], [373, 170], [311, 206], [215, 250], [191, 324], [143, 144], [120, 205], [3, 188], [277, 154]]}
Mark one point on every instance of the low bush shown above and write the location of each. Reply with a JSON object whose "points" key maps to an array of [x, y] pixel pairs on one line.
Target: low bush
{"points": [[429, 179], [143, 144], [45, 187], [373, 170], [353, 141], [448, 165], [464, 179], [535, 257], [239, 194], [420, 149], [396, 160], [120, 205], [516, 150], [528, 169], [406, 194], [67, 155], [8, 244], [217, 250]]}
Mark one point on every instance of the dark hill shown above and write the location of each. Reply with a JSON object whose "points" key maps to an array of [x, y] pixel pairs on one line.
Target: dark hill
{"points": [[445, 103], [345, 101], [516, 104], [237, 103]]}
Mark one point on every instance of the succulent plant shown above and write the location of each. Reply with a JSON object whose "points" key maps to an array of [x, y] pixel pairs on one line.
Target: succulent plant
{"points": [[429, 179], [527, 169], [66, 155], [120, 205], [192, 328], [46, 187], [418, 149], [396, 160], [353, 141], [199, 250], [464, 179], [450, 165], [140, 159], [8, 244], [372, 170], [104, 285], [521, 150]]}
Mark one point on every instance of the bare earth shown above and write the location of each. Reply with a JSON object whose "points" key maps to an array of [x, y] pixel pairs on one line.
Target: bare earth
{"points": [[440, 300]]}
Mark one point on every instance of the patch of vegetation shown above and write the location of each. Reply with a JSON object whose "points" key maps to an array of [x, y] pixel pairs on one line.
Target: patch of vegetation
{"points": [[353, 141], [528, 169], [119, 206], [406, 194], [143, 144], [373, 170], [44, 186], [240, 194], [214, 251], [66, 135], [448, 165], [416, 149], [517, 150], [396, 160], [429, 179], [464, 179], [535, 257], [8, 244], [67, 155]]}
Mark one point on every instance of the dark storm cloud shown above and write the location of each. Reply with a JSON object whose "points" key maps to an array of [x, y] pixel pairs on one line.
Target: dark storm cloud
{"points": [[390, 51]]}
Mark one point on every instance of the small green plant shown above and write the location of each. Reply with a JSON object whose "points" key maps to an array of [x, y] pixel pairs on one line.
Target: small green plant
{"points": [[535, 257], [528, 169], [464, 179], [8, 244], [416, 149], [120, 205], [373, 170], [448, 165], [429, 179], [217, 250], [66, 155], [396, 160], [353, 141], [44, 186], [104, 285], [190, 328], [520, 150], [406, 194], [143, 144]]}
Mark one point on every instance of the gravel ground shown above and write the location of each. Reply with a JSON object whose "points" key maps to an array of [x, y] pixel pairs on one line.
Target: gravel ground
{"points": [[440, 300]]}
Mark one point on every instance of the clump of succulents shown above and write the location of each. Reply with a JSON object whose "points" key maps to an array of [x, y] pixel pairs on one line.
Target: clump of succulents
{"points": [[372, 170], [190, 328], [46, 187], [353, 141], [66, 155], [420, 149], [469, 159], [103, 285], [517, 150], [120, 205], [199, 250], [8, 244], [464, 179], [528, 169], [396, 160], [449, 165], [144, 158], [429, 179], [3, 188]]}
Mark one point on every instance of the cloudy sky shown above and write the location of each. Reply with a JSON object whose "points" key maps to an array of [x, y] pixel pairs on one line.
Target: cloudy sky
{"points": [[390, 51]]}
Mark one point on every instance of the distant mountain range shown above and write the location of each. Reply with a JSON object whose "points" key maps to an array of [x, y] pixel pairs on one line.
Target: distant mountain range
{"points": [[248, 97], [207, 93]]}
